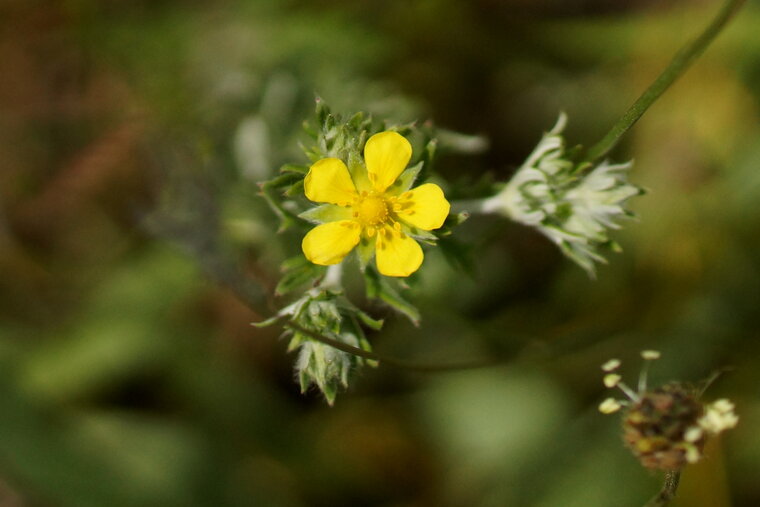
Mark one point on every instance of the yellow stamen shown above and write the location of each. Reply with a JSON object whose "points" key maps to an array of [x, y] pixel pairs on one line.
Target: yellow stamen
{"points": [[372, 210]]}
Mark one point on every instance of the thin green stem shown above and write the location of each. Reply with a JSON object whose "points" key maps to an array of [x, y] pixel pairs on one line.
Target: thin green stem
{"points": [[472, 206], [393, 361], [668, 491], [678, 65]]}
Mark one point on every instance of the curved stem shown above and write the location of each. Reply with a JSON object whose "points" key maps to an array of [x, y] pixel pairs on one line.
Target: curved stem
{"points": [[393, 361], [678, 65], [668, 491]]}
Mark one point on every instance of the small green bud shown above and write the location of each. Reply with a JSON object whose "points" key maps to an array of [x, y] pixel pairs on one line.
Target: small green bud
{"points": [[326, 313]]}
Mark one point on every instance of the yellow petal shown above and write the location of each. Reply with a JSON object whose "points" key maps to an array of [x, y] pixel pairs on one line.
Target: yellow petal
{"points": [[397, 254], [329, 181], [424, 207], [386, 155], [329, 243]]}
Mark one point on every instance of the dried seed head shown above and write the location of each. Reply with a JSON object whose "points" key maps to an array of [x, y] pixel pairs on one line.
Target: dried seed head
{"points": [[660, 428], [667, 427]]}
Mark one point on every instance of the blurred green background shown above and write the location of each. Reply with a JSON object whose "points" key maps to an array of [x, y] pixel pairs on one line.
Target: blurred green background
{"points": [[128, 378]]}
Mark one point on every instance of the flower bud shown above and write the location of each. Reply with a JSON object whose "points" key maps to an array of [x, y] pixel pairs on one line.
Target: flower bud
{"points": [[574, 206]]}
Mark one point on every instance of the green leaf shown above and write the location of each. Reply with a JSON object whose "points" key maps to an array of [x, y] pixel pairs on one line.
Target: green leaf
{"points": [[299, 275], [326, 213], [295, 190], [322, 111], [376, 324], [356, 121], [283, 181]]}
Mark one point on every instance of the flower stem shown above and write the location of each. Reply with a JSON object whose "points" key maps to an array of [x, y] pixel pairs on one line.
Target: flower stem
{"points": [[394, 361], [472, 206], [668, 491], [678, 65]]}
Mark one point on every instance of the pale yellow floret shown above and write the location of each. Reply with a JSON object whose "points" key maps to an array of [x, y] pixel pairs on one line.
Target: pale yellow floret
{"points": [[650, 355], [693, 434], [609, 406], [611, 380], [719, 416], [692, 454]]}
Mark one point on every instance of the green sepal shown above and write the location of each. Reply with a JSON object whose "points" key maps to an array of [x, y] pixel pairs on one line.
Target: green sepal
{"points": [[358, 172], [363, 342], [405, 180], [295, 169], [404, 129], [365, 251], [418, 234], [326, 213], [357, 121], [295, 190], [283, 181], [451, 221], [364, 318], [296, 341], [321, 110], [456, 219], [375, 324], [428, 155], [298, 272]]}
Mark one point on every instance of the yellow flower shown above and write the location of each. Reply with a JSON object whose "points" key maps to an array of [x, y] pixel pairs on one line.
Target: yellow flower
{"points": [[372, 207]]}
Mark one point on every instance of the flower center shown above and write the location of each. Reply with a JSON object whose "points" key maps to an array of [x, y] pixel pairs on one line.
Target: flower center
{"points": [[371, 210]]}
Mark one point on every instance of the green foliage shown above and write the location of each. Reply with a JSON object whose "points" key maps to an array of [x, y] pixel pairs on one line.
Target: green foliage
{"points": [[325, 313], [297, 272]]}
